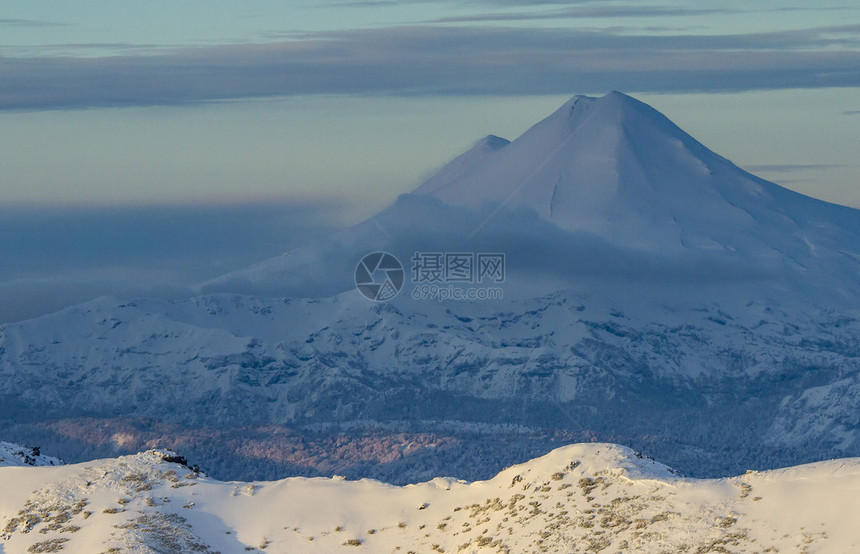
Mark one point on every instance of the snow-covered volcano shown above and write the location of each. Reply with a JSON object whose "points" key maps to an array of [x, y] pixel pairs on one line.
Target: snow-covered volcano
{"points": [[615, 167], [612, 166], [612, 183]]}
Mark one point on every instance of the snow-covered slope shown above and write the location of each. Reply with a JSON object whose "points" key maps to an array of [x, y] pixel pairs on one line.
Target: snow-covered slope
{"points": [[13, 455], [579, 498]]}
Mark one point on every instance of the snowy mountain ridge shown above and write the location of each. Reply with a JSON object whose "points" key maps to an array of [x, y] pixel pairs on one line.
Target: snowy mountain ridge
{"points": [[13, 455], [561, 361], [579, 498]]}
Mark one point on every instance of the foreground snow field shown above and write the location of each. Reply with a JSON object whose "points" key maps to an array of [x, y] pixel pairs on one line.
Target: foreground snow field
{"points": [[579, 498]]}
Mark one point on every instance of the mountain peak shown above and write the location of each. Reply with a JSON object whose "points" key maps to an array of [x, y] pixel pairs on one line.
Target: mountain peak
{"points": [[612, 166], [615, 98], [492, 142], [613, 109], [462, 166]]}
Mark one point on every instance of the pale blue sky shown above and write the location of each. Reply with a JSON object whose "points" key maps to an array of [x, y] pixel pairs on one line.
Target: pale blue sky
{"points": [[198, 102]]}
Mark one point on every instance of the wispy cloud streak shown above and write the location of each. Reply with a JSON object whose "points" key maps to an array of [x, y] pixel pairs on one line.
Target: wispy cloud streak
{"points": [[440, 60], [586, 11], [12, 22]]}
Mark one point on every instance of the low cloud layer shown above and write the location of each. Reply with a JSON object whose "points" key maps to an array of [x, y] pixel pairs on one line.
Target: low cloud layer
{"points": [[440, 60], [58, 258]]}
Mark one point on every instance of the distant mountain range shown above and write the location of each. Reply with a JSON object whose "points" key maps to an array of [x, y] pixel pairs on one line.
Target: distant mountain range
{"points": [[654, 295]]}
